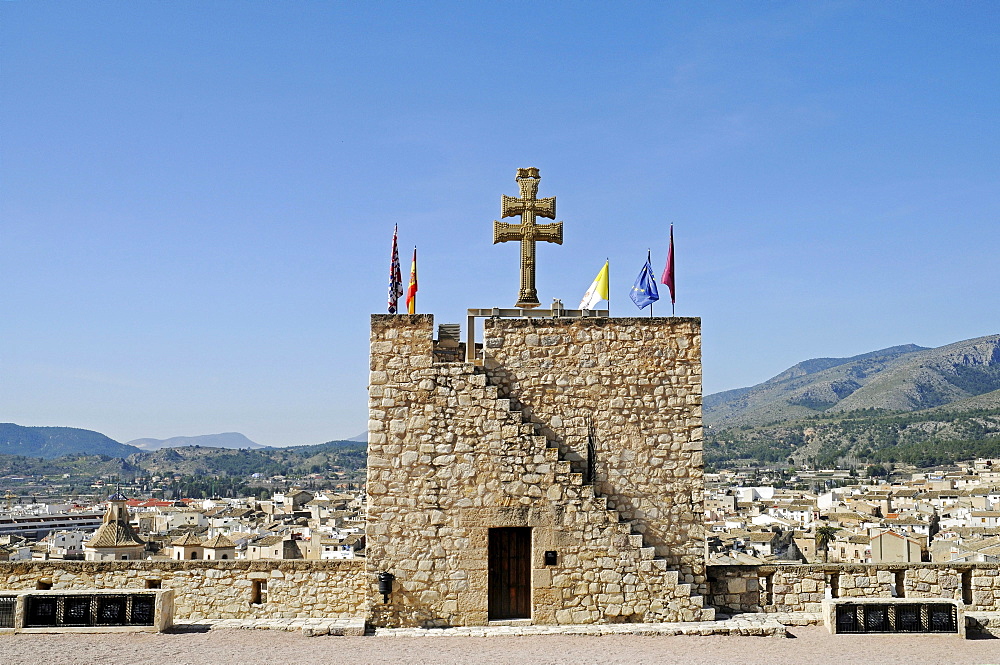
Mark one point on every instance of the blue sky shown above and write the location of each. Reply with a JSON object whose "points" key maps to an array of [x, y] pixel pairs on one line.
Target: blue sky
{"points": [[197, 199]]}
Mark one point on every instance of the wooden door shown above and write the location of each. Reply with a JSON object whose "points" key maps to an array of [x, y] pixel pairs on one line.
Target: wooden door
{"points": [[510, 573]]}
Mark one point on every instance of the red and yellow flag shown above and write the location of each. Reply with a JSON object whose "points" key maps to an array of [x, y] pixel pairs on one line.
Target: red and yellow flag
{"points": [[411, 293]]}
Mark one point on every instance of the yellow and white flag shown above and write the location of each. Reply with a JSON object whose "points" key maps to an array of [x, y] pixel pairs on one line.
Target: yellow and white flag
{"points": [[598, 291]]}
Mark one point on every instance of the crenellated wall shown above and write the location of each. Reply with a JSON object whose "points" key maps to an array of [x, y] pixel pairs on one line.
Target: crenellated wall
{"points": [[213, 589], [801, 588]]}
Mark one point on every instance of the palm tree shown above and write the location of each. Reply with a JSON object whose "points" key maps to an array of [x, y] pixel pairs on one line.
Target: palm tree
{"points": [[824, 536]]}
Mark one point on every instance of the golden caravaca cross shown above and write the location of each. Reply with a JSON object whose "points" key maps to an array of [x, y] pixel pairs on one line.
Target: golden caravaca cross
{"points": [[527, 232]]}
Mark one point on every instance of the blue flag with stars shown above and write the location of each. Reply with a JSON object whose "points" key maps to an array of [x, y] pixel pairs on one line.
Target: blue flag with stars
{"points": [[644, 290]]}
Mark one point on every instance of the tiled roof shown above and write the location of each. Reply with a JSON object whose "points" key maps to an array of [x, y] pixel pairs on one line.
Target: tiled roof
{"points": [[218, 542], [187, 540], [115, 534]]}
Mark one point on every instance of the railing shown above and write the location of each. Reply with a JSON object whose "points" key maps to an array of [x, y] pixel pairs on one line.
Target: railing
{"points": [[134, 609], [894, 615], [54, 611], [8, 605]]}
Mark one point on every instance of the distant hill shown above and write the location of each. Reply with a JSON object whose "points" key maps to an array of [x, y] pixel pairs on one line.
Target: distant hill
{"points": [[904, 404], [52, 442], [202, 460], [225, 440], [900, 378]]}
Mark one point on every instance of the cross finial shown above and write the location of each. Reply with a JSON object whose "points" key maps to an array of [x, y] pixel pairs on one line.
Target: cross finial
{"points": [[527, 232]]}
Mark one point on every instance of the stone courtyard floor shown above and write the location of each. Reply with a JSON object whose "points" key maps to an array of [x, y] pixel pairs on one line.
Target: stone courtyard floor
{"points": [[808, 645]]}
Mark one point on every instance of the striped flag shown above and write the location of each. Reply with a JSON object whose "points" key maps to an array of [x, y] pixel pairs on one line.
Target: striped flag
{"points": [[395, 277], [411, 293]]}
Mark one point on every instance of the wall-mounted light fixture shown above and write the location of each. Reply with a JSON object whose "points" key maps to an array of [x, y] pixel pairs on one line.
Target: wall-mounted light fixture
{"points": [[385, 585]]}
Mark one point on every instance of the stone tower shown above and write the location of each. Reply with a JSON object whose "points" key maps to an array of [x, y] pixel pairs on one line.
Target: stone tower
{"points": [[557, 480]]}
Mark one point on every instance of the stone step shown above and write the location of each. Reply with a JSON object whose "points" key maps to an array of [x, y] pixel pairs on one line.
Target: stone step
{"points": [[647, 553], [636, 539]]}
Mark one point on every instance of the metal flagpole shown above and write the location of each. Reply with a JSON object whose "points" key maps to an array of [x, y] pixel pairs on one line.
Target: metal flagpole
{"points": [[607, 260], [649, 257]]}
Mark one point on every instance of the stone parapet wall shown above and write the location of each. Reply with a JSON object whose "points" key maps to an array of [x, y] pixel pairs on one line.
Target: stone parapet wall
{"points": [[802, 588], [457, 449], [213, 589]]}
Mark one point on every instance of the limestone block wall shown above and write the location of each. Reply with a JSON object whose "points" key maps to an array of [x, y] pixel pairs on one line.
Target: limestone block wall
{"points": [[213, 589], [637, 382], [455, 450], [801, 588]]}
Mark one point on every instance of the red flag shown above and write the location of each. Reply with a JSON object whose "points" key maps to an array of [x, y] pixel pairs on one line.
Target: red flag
{"points": [[411, 293], [668, 271]]}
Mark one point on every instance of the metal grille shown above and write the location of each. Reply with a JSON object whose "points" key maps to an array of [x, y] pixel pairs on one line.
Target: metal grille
{"points": [[7, 607], [897, 618], [143, 610], [942, 619], [908, 619], [86, 610], [111, 610], [41, 611], [876, 618], [76, 610]]}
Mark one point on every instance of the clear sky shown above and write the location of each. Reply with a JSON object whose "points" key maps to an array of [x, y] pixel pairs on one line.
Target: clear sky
{"points": [[197, 198]]}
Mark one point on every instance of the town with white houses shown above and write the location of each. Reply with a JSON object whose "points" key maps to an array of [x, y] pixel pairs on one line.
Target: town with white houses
{"points": [[931, 516], [942, 516], [295, 524]]}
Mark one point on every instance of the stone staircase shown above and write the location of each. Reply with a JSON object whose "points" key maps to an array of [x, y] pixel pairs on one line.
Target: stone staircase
{"points": [[577, 496]]}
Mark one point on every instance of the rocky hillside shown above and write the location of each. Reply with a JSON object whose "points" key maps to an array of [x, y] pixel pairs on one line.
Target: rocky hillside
{"points": [[900, 378], [904, 404], [52, 442]]}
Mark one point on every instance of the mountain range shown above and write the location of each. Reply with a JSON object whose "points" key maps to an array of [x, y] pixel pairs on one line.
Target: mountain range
{"points": [[909, 404], [52, 442], [224, 440], [900, 378]]}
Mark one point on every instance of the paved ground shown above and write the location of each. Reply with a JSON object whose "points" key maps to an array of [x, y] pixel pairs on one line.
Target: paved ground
{"points": [[806, 645]]}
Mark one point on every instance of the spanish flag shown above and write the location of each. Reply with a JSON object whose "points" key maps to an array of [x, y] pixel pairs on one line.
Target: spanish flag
{"points": [[411, 293], [598, 291]]}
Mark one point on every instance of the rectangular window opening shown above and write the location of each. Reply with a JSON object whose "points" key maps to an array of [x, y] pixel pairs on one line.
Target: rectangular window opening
{"points": [[152, 584], [767, 587], [899, 587], [967, 587], [834, 585], [258, 592]]}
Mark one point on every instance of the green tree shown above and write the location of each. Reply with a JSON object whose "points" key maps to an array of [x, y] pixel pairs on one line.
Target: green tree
{"points": [[877, 471], [824, 536]]}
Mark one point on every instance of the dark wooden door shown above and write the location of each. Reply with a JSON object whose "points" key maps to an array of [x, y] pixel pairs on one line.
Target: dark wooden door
{"points": [[510, 573]]}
